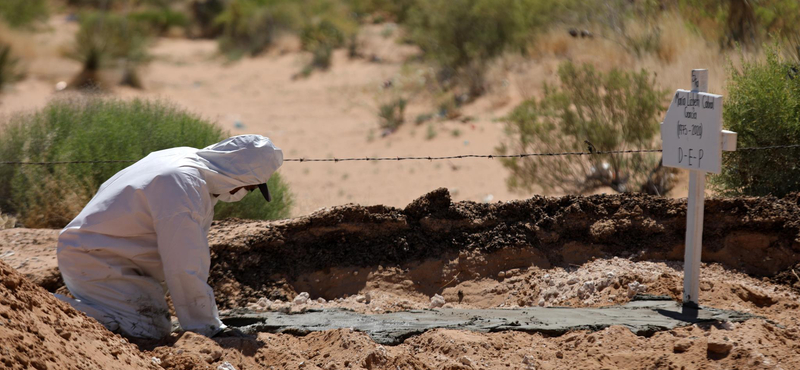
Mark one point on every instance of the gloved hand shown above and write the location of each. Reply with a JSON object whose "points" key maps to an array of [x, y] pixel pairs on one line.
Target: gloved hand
{"points": [[230, 332]]}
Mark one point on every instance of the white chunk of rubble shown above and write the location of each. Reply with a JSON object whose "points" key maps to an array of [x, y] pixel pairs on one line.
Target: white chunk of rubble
{"points": [[301, 298], [437, 301], [226, 366], [635, 288], [586, 290], [264, 302]]}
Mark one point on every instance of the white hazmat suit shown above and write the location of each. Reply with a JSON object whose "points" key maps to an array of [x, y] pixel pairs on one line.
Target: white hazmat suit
{"points": [[147, 226]]}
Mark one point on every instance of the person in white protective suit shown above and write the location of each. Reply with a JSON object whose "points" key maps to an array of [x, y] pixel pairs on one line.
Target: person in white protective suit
{"points": [[148, 225]]}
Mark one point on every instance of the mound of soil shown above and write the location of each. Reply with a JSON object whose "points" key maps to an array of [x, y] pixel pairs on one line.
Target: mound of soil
{"points": [[38, 331], [759, 236]]}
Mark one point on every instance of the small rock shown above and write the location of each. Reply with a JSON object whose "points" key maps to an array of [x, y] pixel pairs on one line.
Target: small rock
{"points": [[720, 347], [529, 360], [226, 366], [541, 302], [501, 274], [264, 302], [465, 360], [550, 294], [635, 288], [448, 305], [682, 346], [321, 300], [586, 290], [727, 325], [156, 360], [437, 301], [360, 298], [301, 298], [216, 354], [572, 281], [559, 354], [368, 297]]}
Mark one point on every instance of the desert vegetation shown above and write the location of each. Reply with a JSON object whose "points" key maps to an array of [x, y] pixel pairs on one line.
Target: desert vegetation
{"points": [[10, 66], [107, 129], [608, 111], [22, 13], [763, 107], [109, 40]]}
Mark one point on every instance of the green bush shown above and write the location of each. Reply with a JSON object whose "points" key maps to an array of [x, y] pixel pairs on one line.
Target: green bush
{"points": [[204, 17], [392, 114], [10, 67], [383, 10], [613, 111], [78, 129], [160, 20], [763, 108], [18, 13], [109, 40], [461, 36], [249, 27]]}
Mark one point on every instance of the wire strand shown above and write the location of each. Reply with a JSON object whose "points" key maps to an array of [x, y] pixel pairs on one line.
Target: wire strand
{"points": [[591, 151]]}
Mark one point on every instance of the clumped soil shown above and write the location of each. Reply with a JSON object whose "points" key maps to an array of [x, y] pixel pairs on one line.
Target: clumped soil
{"points": [[758, 236], [38, 331], [570, 251]]}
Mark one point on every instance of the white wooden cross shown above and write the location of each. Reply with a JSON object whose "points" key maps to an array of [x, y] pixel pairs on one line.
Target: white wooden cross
{"points": [[693, 139]]}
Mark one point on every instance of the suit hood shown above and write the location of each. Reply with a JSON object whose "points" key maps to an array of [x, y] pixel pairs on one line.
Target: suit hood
{"points": [[239, 161]]}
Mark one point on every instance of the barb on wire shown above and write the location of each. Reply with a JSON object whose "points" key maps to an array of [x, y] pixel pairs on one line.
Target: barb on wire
{"points": [[591, 150]]}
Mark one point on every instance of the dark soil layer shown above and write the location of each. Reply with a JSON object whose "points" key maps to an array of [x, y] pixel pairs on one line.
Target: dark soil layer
{"points": [[759, 236]]}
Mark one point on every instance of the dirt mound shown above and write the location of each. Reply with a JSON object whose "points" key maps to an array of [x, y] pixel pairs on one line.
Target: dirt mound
{"points": [[40, 332], [759, 236]]}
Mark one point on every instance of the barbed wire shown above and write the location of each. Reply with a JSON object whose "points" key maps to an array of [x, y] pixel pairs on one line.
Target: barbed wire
{"points": [[591, 151]]}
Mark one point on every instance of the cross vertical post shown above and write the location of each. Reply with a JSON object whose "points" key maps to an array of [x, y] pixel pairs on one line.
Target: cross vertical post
{"points": [[695, 210]]}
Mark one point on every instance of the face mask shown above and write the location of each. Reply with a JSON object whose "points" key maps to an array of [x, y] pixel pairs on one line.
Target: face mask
{"points": [[235, 197]]}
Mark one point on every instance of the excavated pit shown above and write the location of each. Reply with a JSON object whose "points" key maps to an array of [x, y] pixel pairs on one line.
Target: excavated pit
{"points": [[433, 241]]}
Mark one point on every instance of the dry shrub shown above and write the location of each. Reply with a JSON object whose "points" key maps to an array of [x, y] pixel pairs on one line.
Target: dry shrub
{"points": [[55, 205], [614, 111], [109, 40], [675, 38], [7, 221], [556, 42]]}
